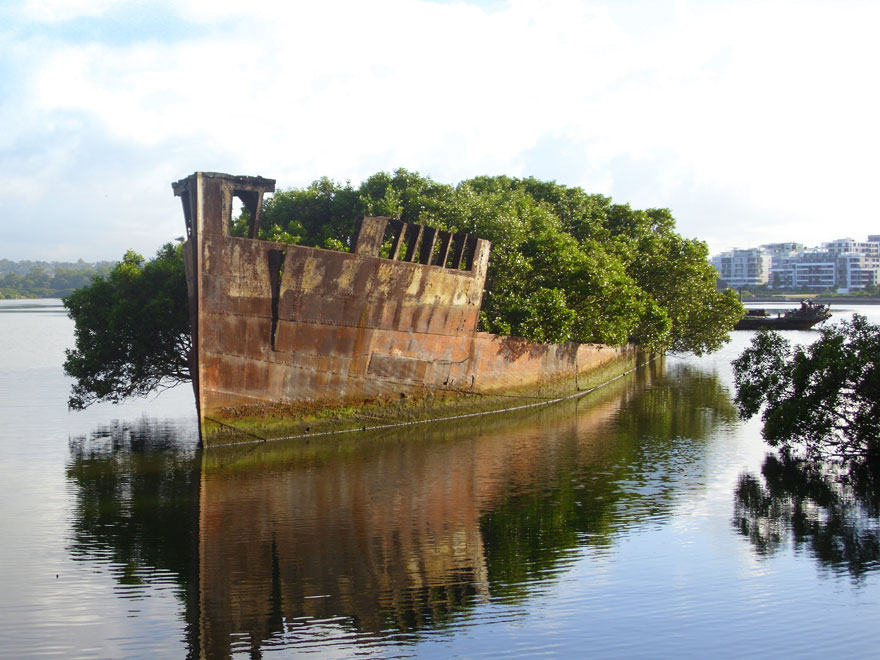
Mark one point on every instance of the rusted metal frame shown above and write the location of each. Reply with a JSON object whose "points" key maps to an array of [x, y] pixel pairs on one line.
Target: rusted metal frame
{"points": [[413, 237], [370, 235], [399, 228], [185, 190], [458, 251], [470, 251], [253, 202], [185, 199], [429, 238], [358, 223], [443, 254]]}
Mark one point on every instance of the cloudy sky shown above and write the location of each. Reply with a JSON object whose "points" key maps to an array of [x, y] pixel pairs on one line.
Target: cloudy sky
{"points": [[752, 121]]}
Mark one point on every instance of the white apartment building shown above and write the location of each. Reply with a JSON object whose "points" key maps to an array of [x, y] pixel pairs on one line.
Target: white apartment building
{"points": [[843, 265], [855, 271], [744, 268], [858, 262], [848, 245], [781, 268], [813, 270]]}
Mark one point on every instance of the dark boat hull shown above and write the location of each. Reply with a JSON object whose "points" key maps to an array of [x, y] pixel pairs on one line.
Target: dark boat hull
{"points": [[802, 318], [776, 323]]}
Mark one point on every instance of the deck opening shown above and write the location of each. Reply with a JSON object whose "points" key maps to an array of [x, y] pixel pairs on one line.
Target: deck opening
{"points": [[413, 239], [426, 248], [239, 219], [391, 239], [251, 210]]}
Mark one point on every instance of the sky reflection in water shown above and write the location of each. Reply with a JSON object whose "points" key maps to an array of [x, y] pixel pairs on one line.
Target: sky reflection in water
{"points": [[616, 524]]}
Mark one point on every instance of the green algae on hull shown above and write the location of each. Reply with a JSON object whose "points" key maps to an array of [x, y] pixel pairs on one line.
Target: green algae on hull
{"points": [[265, 421]]}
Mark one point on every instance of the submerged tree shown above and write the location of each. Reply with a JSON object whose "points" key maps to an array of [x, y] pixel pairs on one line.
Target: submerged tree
{"points": [[822, 399], [131, 330]]}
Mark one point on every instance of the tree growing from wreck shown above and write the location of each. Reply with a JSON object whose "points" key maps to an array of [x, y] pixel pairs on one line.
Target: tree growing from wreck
{"points": [[565, 266], [131, 330]]}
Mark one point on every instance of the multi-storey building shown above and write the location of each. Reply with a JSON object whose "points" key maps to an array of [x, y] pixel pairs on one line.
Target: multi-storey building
{"points": [[849, 246], [783, 249], [813, 270], [843, 265], [782, 257], [858, 263], [855, 271], [744, 268]]}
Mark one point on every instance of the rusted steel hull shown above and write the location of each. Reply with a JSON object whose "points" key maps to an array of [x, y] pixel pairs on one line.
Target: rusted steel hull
{"points": [[277, 324], [802, 318]]}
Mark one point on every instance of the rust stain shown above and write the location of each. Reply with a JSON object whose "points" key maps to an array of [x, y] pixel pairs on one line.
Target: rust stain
{"points": [[286, 324]]}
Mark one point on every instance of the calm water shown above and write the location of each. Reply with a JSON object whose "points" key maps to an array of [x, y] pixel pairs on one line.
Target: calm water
{"points": [[636, 522]]}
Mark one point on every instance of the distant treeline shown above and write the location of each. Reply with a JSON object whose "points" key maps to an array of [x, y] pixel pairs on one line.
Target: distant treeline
{"points": [[47, 279]]}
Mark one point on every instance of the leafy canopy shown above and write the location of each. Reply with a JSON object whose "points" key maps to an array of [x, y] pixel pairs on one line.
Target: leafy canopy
{"points": [[131, 330], [822, 399], [565, 266]]}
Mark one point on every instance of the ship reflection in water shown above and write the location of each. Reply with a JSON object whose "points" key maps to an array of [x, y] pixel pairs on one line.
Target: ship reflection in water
{"points": [[357, 541], [369, 537]]}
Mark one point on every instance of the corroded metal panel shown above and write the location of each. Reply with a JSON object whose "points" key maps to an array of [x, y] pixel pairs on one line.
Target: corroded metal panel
{"points": [[370, 236], [276, 323]]}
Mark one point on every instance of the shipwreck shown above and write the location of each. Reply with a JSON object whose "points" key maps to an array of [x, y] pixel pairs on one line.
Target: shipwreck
{"points": [[291, 340]]}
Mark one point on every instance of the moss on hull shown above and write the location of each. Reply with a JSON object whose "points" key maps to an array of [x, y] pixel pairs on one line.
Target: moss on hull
{"points": [[307, 448], [274, 421]]}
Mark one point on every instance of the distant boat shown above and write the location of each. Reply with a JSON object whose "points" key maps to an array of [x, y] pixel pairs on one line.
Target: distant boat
{"points": [[800, 318]]}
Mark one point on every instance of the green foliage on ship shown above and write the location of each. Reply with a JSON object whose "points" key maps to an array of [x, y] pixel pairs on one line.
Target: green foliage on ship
{"points": [[565, 265], [131, 330]]}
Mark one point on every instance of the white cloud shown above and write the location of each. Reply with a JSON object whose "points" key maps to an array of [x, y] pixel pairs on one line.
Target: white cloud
{"points": [[743, 118], [55, 11]]}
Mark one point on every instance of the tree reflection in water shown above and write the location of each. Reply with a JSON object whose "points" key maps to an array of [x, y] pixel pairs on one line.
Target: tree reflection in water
{"points": [[136, 507], [378, 537], [637, 465], [834, 516]]}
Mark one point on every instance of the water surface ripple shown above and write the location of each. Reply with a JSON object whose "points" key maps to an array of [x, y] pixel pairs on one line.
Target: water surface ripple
{"points": [[642, 521]]}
